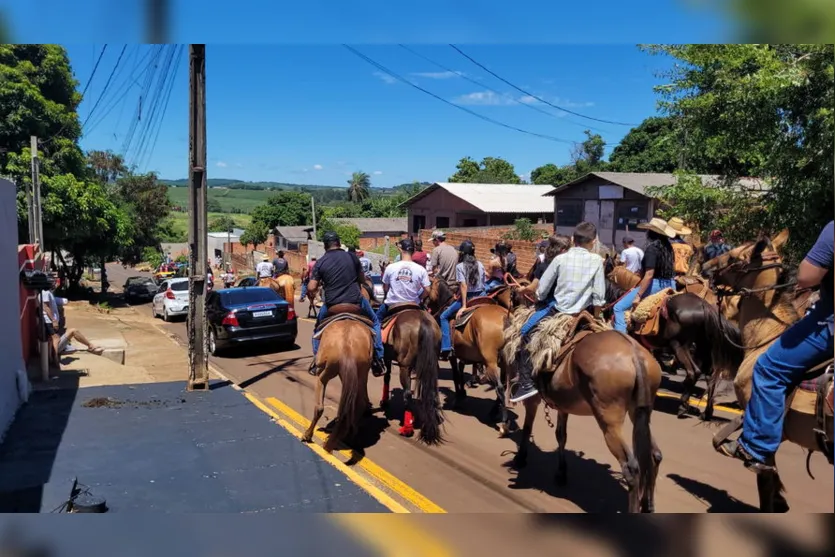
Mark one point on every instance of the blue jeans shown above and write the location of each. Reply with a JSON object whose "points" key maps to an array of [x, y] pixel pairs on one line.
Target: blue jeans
{"points": [[446, 315], [536, 317], [625, 303], [304, 291], [492, 284], [379, 351], [804, 345], [382, 311]]}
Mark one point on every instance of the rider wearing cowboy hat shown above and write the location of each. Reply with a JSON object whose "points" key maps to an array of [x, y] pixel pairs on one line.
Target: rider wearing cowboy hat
{"points": [[682, 250], [657, 267], [264, 269]]}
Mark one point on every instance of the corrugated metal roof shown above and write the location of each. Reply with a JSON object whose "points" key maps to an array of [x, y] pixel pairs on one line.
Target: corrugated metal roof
{"points": [[294, 233], [640, 181], [495, 198], [397, 224]]}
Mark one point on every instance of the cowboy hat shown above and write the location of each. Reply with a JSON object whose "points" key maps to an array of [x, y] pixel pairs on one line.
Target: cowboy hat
{"points": [[660, 226], [265, 257], [678, 225]]}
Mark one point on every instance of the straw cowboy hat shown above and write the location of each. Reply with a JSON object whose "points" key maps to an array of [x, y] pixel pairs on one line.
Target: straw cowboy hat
{"points": [[265, 257], [660, 226], [678, 225]]}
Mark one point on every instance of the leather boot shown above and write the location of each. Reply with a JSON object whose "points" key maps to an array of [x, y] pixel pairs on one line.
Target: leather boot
{"points": [[524, 387]]}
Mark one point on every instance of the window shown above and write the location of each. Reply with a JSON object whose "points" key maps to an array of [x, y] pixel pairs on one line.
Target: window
{"points": [[418, 223], [442, 222], [470, 222], [179, 286], [631, 213], [569, 212], [235, 297]]}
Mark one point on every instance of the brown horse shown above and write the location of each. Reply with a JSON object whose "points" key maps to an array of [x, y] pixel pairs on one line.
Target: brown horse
{"points": [[345, 351], [479, 342], [283, 286], [766, 311], [607, 375], [413, 339]]}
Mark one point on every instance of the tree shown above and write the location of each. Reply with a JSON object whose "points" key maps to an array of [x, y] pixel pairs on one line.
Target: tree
{"points": [[763, 110], [106, 166], [490, 170], [254, 234], [553, 175], [152, 257], [359, 187], [222, 223], [145, 200], [286, 208], [349, 234], [652, 146]]}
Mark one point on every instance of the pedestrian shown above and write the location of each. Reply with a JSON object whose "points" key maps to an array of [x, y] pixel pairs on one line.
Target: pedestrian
{"points": [[631, 256], [308, 271]]}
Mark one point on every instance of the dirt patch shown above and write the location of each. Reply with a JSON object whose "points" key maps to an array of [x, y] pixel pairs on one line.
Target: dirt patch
{"points": [[107, 402]]}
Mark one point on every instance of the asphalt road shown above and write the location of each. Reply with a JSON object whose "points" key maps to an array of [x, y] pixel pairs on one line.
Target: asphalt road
{"points": [[469, 473]]}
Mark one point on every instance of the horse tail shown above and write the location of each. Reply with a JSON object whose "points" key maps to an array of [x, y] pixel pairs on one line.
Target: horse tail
{"points": [[641, 435], [427, 370], [351, 407]]}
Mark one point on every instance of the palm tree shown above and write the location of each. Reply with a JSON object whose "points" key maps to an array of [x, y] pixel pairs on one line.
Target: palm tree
{"points": [[359, 187]]}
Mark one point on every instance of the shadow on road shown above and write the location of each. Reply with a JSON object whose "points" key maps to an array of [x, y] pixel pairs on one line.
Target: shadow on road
{"points": [[717, 500]]}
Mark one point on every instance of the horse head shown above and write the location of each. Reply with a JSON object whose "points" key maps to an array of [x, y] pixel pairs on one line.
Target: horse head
{"points": [[749, 267], [440, 294]]}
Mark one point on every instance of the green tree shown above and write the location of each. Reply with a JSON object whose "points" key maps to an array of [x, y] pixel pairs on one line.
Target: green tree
{"points": [[145, 200], [359, 187], [490, 170], [348, 234], [152, 257], [222, 223], [106, 166], [652, 146], [763, 110], [254, 234], [553, 175], [285, 208]]}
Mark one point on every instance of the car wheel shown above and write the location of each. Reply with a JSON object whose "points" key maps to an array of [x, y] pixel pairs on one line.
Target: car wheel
{"points": [[165, 316], [153, 310], [213, 349]]}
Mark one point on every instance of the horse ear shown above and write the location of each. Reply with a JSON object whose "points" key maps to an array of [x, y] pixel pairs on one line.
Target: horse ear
{"points": [[780, 240]]}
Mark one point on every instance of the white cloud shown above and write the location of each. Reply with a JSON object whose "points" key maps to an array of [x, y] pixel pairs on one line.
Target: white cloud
{"points": [[437, 75], [318, 167], [483, 98], [222, 164], [378, 172], [489, 98], [386, 78]]}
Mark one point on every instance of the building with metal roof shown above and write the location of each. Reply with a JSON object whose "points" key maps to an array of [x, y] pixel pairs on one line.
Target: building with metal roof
{"points": [[457, 205]]}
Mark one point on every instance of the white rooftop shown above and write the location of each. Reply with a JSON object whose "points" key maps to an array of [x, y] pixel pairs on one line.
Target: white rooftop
{"points": [[497, 198]]}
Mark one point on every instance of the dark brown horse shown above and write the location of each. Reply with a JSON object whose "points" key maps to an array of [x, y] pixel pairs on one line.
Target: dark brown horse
{"points": [[345, 352], [413, 340], [479, 342], [608, 375]]}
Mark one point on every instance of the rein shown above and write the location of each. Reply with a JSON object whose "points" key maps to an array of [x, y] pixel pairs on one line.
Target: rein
{"points": [[511, 281]]}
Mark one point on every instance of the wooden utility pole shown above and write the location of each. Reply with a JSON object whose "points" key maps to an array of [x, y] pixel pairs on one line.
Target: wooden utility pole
{"points": [[198, 376], [313, 209], [36, 225]]}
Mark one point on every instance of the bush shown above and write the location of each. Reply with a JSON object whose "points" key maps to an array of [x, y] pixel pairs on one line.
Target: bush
{"points": [[523, 229], [152, 257]]}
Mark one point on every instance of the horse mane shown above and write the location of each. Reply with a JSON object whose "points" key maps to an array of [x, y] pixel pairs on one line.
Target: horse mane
{"points": [[613, 292]]}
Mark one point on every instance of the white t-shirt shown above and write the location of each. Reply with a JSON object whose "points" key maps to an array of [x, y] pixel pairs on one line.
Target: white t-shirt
{"points": [[632, 258], [406, 281], [49, 298], [264, 269]]}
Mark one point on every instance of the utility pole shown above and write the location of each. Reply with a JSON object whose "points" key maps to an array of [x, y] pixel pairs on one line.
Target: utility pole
{"points": [[229, 249], [36, 228], [198, 376], [313, 209], [157, 22]]}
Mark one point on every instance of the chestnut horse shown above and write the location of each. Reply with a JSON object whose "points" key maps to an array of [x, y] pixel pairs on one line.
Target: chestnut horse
{"points": [[766, 311], [414, 342], [608, 375], [479, 342], [345, 351]]}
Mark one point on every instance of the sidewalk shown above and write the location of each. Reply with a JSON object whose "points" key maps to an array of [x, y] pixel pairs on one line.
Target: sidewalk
{"points": [[134, 437]]}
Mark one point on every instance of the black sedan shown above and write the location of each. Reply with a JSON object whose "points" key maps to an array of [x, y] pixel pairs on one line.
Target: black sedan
{"points": [[139, 289], [248, 315]]}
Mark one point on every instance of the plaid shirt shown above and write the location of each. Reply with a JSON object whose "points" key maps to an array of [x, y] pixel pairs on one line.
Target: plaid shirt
{"points": [[579, 279]]}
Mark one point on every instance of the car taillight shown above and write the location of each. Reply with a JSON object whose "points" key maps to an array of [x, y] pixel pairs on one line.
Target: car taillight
{"points": [[231, 319], [169, 294], [291, 313]]}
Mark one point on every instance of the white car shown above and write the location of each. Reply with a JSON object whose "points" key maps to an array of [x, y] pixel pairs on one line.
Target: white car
{"points": [[171, 300]]}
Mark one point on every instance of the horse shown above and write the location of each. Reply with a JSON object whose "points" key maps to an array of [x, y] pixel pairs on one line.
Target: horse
{"points": [[345, 351], [413, 339], [479, 341], [283, 286], [766, 311], [606, 375]]}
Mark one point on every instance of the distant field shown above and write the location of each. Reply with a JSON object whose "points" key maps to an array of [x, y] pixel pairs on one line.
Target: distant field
{"points": [[180, 221], [229, 200]]}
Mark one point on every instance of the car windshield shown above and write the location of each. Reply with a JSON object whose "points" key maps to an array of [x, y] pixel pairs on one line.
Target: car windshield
{"points": [[248, 296], [140, 281], [179, 286]]}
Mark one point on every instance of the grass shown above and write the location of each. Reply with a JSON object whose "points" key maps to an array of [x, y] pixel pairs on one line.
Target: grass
{"points": [[180, 221], [229, 200]]}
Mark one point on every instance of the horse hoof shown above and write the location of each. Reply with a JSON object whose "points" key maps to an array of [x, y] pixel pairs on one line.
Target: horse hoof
{"points": [[307, 438], [682, 413], [706, 416], [407, 431]]}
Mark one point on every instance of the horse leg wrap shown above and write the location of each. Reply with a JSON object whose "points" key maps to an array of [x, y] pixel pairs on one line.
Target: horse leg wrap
{"points": [[408, 429]]}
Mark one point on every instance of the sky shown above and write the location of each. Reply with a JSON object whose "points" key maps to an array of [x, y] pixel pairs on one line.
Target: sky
{"points": [[313, 114]]}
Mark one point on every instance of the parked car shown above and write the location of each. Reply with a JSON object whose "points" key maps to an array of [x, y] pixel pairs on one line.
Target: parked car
{"points": [[249, 315], [377, 283], [171, 299], [139, 289], [247, 281]]}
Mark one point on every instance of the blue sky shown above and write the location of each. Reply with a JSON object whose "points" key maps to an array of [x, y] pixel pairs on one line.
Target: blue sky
{"points": [[314, 114]]}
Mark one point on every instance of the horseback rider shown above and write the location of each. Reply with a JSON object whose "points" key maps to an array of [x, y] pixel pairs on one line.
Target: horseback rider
{"points": [[804, 345], [716, 246], [264, 269], [444, 259], [340, 273], [658, 269], [682, 251], [404, 281], [469, 273], [572, 282], [497, 266]]}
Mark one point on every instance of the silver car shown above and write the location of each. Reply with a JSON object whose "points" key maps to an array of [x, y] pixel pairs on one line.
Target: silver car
{"points": [[171, 300]]}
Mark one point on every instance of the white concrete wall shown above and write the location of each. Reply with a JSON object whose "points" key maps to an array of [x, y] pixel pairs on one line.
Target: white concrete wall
{"points": [[12, 369]]}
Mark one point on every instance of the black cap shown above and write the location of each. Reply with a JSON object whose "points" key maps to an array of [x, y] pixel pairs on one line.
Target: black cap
{"points": [[330, 238], [406, 244]]}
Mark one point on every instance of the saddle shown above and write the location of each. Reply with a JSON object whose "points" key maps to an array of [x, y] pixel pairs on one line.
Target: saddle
{"points": [[687, 282], [646, 319], [342, 312], [394, 312]]}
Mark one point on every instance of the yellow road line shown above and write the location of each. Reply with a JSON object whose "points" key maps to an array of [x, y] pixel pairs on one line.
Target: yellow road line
{"points": [[702, 403], [378, 473], [394, 536], [372, 490]]}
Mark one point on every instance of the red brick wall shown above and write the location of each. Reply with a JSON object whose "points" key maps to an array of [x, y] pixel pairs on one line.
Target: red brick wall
{"points": [[371, 243], [241, 256], [28, 259]]}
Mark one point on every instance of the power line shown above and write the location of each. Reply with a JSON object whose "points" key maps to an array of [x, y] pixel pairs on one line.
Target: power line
{"points": [[506, 95], [443, 100], [106, 85], [167, 96], [500, 78]]}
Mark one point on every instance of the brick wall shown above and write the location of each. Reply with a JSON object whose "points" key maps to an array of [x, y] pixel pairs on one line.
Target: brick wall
{"points": [[242, 256]]}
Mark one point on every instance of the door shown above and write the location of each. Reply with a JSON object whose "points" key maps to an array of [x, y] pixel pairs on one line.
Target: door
{"points": [[418, 223], [157, 303]]}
